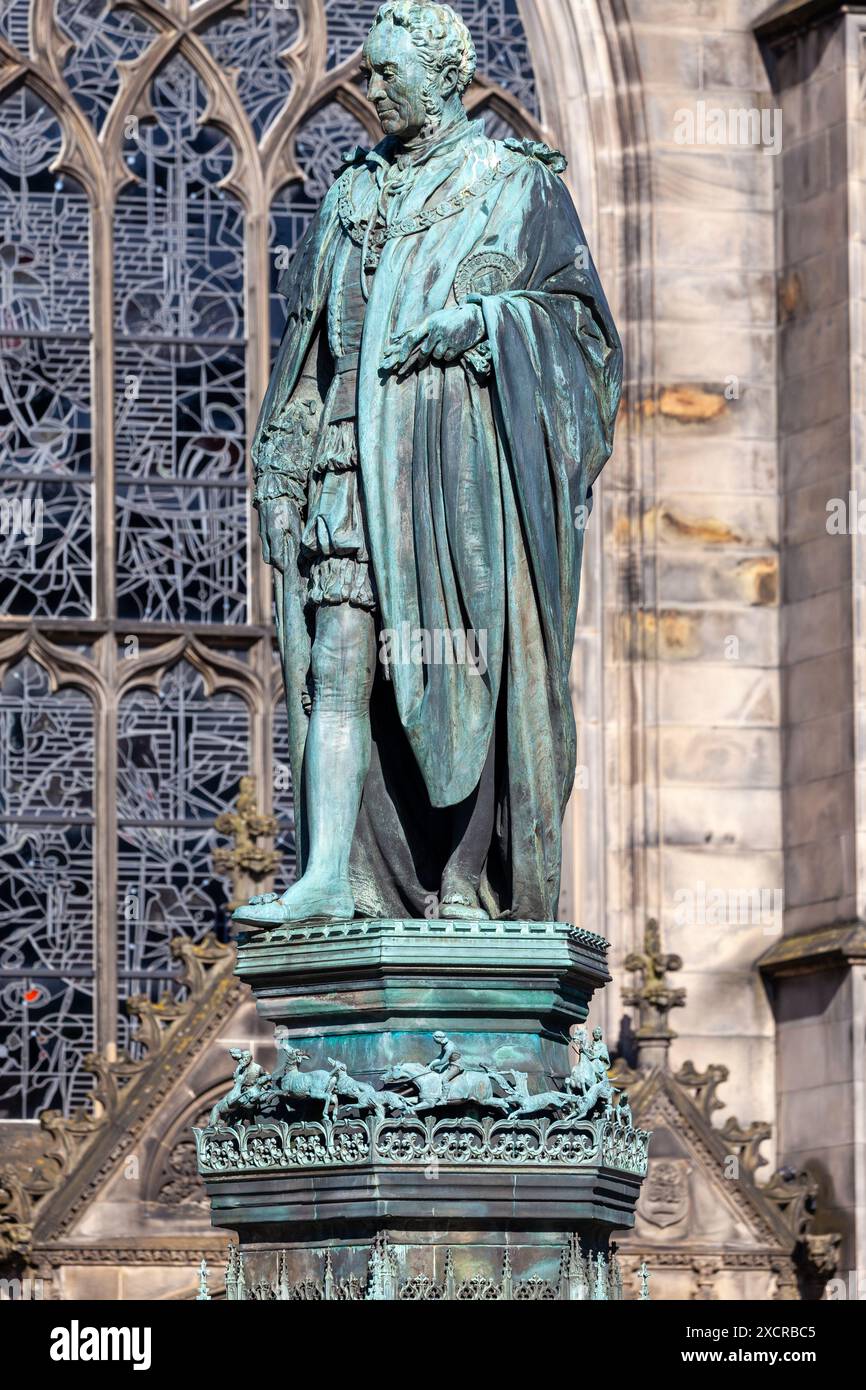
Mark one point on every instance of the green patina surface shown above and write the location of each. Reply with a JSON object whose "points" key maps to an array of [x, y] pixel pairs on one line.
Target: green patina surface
{"points": [[443, 400], [442, 403]]}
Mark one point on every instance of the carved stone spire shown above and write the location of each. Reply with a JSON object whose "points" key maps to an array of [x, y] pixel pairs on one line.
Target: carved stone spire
{"points": [[381, 1278], [507, 1289], [450, 1281], [653, 997], [240, 1279]]}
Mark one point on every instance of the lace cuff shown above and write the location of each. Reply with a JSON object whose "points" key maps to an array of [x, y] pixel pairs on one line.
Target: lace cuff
{"points": [[285, 455], [273, 484]]}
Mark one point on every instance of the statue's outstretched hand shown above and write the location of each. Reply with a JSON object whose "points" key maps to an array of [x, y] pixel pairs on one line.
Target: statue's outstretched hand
{"points": [[279, 526], [444, 337]]}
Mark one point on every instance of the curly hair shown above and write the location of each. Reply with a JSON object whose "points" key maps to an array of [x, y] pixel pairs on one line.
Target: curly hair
{"points": [[439, 34]]}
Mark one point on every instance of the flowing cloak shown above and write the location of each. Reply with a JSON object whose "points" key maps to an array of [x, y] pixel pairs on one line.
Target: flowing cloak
{"points": [[475, 479]]}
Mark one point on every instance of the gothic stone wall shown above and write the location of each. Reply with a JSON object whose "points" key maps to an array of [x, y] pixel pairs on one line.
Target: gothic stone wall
{"points": [[677, 675]]}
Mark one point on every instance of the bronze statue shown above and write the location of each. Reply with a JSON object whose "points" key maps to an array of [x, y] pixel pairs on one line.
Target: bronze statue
{"points": [[443, 401]]}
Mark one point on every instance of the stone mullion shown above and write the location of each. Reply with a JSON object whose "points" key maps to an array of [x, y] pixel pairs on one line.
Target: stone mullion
{"points": [[257, 306], [261, 728], [105, 851], [105, 591], [102, 377]]}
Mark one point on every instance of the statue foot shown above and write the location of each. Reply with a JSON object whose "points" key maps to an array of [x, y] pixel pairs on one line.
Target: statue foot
{"points": [[462, 905], [303, 902], [252, 913], [260, 914], [310, 900]]}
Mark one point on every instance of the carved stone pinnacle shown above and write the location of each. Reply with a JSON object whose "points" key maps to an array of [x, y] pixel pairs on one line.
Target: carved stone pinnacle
{"points": [[653, 997]]}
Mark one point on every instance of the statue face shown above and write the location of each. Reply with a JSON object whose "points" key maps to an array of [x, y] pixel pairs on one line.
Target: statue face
{"points": [[400, 86]]}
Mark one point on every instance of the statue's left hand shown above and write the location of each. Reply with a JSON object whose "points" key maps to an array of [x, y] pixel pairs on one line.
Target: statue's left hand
{"points": [[279, 524], [443, 336]]}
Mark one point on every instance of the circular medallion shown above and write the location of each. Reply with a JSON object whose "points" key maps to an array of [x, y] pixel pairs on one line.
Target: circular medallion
{"points": [[488, 272]]}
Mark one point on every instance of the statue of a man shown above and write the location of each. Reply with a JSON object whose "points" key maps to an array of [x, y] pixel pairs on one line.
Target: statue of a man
{"points": [[443, 400]]}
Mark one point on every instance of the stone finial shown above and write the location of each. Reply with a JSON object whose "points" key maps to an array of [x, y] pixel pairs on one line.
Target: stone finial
{"points": [[616, 1287], [283, 1278], [246, 863], [450, 1280], [382, 1270], [574, 1272], [653, 997], [507, 1286], [601, 1288]]}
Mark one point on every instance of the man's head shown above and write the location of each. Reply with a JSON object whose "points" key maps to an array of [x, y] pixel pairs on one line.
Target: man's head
{"points": [[419, 58]]}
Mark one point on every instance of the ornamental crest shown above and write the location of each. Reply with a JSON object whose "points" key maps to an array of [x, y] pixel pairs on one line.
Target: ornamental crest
{"points": [[487, 272], [666, 1199]]}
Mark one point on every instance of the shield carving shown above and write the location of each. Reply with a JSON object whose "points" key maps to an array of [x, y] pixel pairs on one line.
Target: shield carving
{"points": [[665, 1198]]}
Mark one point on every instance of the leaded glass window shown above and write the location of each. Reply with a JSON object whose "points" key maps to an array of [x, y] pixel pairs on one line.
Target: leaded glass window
{"points": [[181, 754], [180, 352], [158, 164], [47, 946], [45, 391]]}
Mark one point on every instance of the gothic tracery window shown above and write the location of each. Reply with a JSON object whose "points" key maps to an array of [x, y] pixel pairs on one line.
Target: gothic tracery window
{"points": [[47, 946], [159, 161], [181, 754], [180, 353], [45, 406]]}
